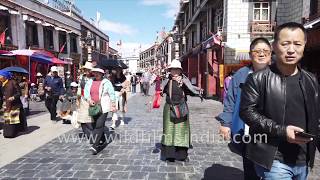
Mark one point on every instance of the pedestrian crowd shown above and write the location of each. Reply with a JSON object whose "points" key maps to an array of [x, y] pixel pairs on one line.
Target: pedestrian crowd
{"points": [[274, 97]]}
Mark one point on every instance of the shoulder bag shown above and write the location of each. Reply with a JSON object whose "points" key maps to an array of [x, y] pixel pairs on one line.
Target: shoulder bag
{"points": [[96, 109], [178, 112]]}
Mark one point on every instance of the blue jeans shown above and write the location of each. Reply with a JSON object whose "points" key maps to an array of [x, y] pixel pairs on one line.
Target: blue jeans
{"points": [[280, 171]]}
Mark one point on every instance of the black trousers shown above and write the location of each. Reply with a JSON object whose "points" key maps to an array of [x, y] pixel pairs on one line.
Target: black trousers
{"points": [[134, 88], [249, 170], [98, 132], [146, 88], [87, 129], [248, 166], [51, 104], [174, 152]]}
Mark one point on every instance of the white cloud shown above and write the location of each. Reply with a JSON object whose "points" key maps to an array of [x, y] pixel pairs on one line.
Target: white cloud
{"points": [[129, 48], [172, 6], [117, 27]]}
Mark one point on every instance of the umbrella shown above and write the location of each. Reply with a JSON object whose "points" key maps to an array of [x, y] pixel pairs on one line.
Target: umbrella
{"points": [[123, 65], [112, 63], [16, 69], [39, 55]]}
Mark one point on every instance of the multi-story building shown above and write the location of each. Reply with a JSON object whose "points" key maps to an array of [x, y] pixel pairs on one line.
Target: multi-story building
{"points": [[311, 20], [147, 58], [51, 25], [32, 24], [217, 36], [131, 62], [164, 50], [113, 53], [94, 42], [306, 12]]}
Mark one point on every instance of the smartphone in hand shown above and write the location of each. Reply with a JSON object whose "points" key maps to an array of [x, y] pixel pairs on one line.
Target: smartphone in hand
{"points": [[305, 135]]}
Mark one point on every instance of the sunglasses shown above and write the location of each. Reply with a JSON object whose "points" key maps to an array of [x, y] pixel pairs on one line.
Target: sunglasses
{"points": [[259, 51]]}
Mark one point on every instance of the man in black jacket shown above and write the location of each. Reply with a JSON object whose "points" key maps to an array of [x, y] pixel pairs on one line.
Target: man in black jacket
{"points": [[279, 102]]}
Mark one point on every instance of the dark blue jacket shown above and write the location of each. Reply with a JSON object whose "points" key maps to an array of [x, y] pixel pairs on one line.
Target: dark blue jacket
{"points": [[56, 85], [231, 104]]}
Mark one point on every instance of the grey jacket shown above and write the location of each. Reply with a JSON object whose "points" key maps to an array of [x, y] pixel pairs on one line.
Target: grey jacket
{"points": [[193, 89]]}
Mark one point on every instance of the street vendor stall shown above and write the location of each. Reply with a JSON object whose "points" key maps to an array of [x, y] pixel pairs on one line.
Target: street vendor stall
{"points": [[34, 61]]}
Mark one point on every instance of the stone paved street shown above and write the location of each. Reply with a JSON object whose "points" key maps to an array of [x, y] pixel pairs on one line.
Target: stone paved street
{"points": [[134, 152]]}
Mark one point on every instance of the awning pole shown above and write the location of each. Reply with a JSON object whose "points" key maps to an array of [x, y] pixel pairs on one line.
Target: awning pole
{"points": [[29, 69]]}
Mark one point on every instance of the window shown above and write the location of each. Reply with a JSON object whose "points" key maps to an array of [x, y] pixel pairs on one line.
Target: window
{"points": [[313, 7], [63, 42], [218, 19], [194, 41], [203, 28], [261, 11], [31, 34], [48, 38], [193, 7], [5, 25], [102, 47], [73, 43]]}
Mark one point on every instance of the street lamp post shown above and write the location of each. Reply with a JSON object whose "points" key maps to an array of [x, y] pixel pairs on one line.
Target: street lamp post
{"points": [[88, 41], [178, 38]]}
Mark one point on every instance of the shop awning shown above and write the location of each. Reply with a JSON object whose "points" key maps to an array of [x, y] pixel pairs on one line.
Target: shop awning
{"points": [[7, 55]]}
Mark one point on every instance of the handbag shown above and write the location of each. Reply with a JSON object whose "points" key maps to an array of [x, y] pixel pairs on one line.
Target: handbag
{"points": [[157, 100], [96, 109], [83, 112], [178, 112]]}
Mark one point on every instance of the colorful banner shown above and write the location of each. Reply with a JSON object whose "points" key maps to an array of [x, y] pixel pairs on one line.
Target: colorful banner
{"points": [[221, 75]]}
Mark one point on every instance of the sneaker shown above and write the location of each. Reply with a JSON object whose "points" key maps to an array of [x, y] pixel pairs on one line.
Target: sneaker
{"points": [[93, 150], [121, 123]]}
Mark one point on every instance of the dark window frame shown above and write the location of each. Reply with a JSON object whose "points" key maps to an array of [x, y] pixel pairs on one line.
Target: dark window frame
{"points": [[73, 43], [48, 38], [63, 40], [31, 34]]}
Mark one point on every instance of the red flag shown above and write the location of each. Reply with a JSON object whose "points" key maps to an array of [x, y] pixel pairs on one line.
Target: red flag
{"points": [[216, 38], [3, 37], [62, 47]]}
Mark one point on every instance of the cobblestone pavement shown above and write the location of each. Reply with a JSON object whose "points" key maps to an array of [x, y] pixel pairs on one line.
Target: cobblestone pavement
{"points": [[135, 151]]}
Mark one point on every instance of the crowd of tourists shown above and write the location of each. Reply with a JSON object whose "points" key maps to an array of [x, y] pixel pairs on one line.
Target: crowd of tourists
{"points": [[271, 96]]}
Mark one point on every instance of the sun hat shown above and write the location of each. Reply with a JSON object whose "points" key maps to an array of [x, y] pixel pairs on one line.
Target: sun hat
{"points": [[175, 64], [88, 65], [74, 84], [54, 69], [97, 70], [32, 84]]}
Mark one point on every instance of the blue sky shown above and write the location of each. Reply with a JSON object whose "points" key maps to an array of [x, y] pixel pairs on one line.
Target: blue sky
{"points": [[133, 22]]}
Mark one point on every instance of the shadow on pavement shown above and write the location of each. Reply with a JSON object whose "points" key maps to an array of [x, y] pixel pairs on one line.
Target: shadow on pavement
{"points": [[30, 130], [31, 113], [220, 172]]}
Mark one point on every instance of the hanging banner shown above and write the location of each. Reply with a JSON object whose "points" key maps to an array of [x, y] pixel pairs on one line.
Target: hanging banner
{"points": [[221, 75]]}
